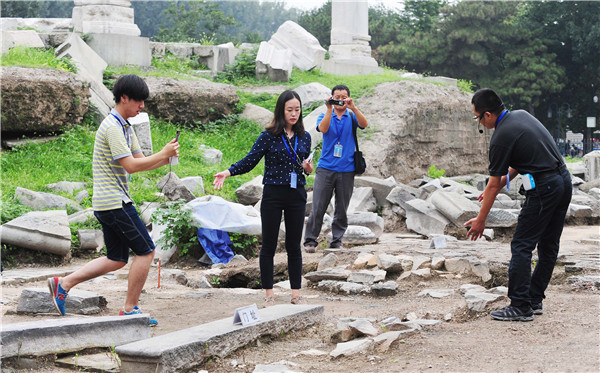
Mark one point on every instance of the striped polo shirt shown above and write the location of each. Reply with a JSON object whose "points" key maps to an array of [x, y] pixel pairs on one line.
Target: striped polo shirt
{"points": [[115, 139]]}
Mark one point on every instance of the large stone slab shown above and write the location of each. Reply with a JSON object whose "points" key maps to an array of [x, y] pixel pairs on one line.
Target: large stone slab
{"points": [[306, 51], [37, 300], [46, 231], [273, 63], [362, 200], [44, 201], [67, 334], [258, 114], [381, 187], [423, 218], [454, 206], [188, 348], [141, 126], [312, 93]]}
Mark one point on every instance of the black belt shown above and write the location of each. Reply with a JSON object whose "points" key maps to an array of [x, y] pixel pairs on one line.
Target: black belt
{"points": [[545, 174]]}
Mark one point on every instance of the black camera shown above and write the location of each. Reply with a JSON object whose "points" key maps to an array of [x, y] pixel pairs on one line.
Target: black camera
{"points": [[331, 101]]}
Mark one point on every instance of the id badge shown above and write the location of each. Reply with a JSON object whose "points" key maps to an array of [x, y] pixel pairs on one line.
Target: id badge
{"points": [[337, 150], [293, 180]]}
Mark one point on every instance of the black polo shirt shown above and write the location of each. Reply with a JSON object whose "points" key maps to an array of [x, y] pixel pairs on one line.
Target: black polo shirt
{"points": [[523, 143]]}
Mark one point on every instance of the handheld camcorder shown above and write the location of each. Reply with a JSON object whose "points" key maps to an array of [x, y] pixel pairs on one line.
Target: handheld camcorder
{"points": [[331, 101]]}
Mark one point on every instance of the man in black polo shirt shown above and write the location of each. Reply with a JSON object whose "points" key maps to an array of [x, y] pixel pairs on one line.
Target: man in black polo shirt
{"points": [[522, 145]]}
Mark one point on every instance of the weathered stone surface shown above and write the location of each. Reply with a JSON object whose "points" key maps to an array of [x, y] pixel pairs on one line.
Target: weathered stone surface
{"points": [[174, 189], [381, 187], [273, 63], [335, 273], [401, 194], [189, 101], [257, 114], [65, 100], [385, 340], [46, 231], [103, 362], [250, 192], [436, 293], [189, 348], [367, 277], [36, 300], [81, 216], [480, 302], [66, 186], [210, 155], [389, 263], [307, 53], [385, 289], [313, 93], [472, 287], [592, 165], [367, 219], [362, 200], [90, 239], [423, 218], [363, 327], [194, 184], [329, 261], [38, 338], [579, 211], [357, 235], [352, 347], [44, 201], [498, 218], [438, 242], [141, 126], [437, 262], [362, 260], [454, 206], [421, 261]]}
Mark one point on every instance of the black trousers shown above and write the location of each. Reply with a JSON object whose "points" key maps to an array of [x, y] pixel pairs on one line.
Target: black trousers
{"points": [[278, 199], [541, 223]]}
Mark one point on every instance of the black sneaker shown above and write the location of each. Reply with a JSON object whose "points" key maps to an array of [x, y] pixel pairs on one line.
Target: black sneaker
{"points": [[336, 245], [537, 308], [512, 313]]}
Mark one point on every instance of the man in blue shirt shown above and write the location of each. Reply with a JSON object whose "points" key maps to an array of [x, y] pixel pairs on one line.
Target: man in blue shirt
{"points": [[335, 170]]}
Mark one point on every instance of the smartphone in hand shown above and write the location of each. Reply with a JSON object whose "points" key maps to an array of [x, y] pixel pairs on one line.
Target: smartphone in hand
{"points": [[310, 157], [177, 135]]}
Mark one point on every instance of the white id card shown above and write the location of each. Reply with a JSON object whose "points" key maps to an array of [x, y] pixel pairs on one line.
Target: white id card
{"points": [[293, 180], [337, 150]]}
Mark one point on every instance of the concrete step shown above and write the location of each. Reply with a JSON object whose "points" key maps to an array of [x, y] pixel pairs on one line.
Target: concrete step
{"points": [[189, 348], [19, 276], [67, 334]]}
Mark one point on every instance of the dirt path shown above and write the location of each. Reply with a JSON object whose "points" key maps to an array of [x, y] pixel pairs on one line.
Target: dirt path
{"points": [[566, 338]]}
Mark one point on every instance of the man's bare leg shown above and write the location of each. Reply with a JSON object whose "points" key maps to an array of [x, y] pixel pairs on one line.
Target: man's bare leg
{"points": [[90, 270], [137, 278]]}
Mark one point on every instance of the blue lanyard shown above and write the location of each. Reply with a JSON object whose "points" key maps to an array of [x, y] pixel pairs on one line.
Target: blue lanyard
{"points": [[125, 133], [288, 148], [337, 128], [500, 118]]}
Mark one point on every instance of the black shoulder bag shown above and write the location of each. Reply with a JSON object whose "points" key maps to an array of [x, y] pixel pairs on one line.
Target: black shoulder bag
{"points": [[360, 165]]}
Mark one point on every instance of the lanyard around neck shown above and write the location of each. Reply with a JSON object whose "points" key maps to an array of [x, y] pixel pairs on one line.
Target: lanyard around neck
{"points": [[500, 118], [288, 148], [125, 133]]}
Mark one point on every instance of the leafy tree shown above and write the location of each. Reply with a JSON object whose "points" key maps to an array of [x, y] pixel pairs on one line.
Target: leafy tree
{"points": [[573, 31], [257, 20], [505, 53], [318, 23], [20, 9], [193, 21]]}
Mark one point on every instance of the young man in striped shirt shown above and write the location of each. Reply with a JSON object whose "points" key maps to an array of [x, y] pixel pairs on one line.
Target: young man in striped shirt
{"points": [[117, 154]]}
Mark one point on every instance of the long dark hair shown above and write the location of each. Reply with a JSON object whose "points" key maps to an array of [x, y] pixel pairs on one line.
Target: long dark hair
{"points": [[277, 126]]}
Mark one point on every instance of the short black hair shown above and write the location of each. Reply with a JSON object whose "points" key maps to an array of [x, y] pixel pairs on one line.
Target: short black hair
{"points": [[486, 100], [340, 87], [132, 86]]}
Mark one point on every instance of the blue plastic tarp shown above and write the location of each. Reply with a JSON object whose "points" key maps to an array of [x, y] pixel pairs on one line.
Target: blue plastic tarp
{"points": [[216, 244]]}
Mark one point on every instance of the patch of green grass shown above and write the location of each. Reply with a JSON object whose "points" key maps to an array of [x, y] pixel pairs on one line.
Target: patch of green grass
{"points": [[264, 100], [168, 66], [359, 85], [569, 159], [70, 158], [36, 58]]}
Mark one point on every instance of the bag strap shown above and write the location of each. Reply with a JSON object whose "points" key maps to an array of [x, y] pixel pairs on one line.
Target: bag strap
{"points": [[354, 128]]}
